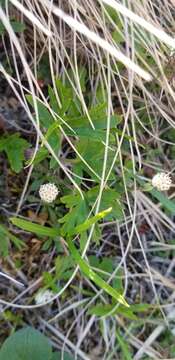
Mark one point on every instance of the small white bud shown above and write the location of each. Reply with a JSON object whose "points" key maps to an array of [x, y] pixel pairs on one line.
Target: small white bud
{"points": [[43, 296], [162, 181], [48, 192]]}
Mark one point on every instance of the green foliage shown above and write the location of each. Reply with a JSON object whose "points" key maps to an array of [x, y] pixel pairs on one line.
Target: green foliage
{"points": [[2, 28], [35, 228], [104, 310], [5, 238], [58, 356], [87, 161], [27, 344], [165, 202], [79, 208], [64, 267], [110, 197], [14, 147], [52, 132], [88, 223], [86, 269], [15, 319], [44, 68], [79, 142], [49, 281], [69, 116], [77, 214], [167, 343], [17, 26], [105, 266], [53, 232], [4, 241], [124, 347]]}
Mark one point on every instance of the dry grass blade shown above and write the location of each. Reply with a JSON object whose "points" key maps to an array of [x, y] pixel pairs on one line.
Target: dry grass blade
{"points": [[30, 16], [159, 33], [83, 29]]}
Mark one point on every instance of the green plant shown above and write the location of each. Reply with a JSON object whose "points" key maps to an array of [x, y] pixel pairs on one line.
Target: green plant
{"points": [[5, 238], [102, 243], [66, 120], [14, 147], [86, 269], [17, 26], [28, 343]]}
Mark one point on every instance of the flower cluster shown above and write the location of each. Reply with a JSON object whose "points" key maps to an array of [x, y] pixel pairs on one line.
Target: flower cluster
{"points": [[162, 181], [48, 192], [43, 296]]}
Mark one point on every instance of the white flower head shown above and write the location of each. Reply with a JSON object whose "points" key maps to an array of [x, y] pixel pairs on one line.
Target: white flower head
{"points": [[48, 192], [162, 181], [43, 296]]}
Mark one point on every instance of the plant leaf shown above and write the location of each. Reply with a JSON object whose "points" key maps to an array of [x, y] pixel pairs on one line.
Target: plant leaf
{"points": [[2, 28], [35, 228], [17, 26], [5, 236], [166, 203], [79, 208], [77, 214], [14, 146], [26, 344], [108, 310], [63, 267], [53, 134], [57, 356], [88, 223], [86, 269], [124, 347], [4, 241]]}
